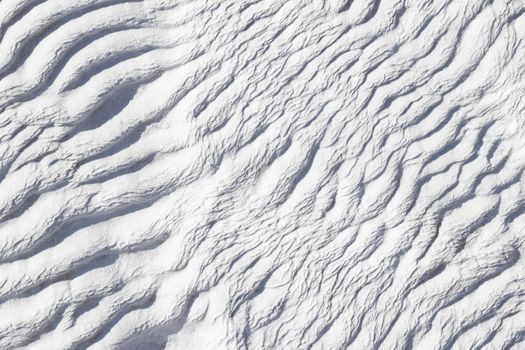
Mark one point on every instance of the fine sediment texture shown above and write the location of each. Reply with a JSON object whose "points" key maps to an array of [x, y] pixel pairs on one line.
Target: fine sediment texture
{"points": [[262, 174]]}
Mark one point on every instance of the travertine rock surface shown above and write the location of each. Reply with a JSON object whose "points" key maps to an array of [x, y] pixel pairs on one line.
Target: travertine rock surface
{"points": [[262, 174]]}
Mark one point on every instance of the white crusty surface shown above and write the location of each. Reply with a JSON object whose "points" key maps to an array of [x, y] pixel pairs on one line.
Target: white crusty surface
{"points": [[262, 174]]}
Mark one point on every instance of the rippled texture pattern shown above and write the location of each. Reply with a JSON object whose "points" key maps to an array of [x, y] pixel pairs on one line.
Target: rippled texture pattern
{"points": [[262, 174]]}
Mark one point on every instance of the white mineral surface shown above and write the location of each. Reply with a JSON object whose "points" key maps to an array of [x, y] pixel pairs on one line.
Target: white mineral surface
{"points": [[262, 174]]}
